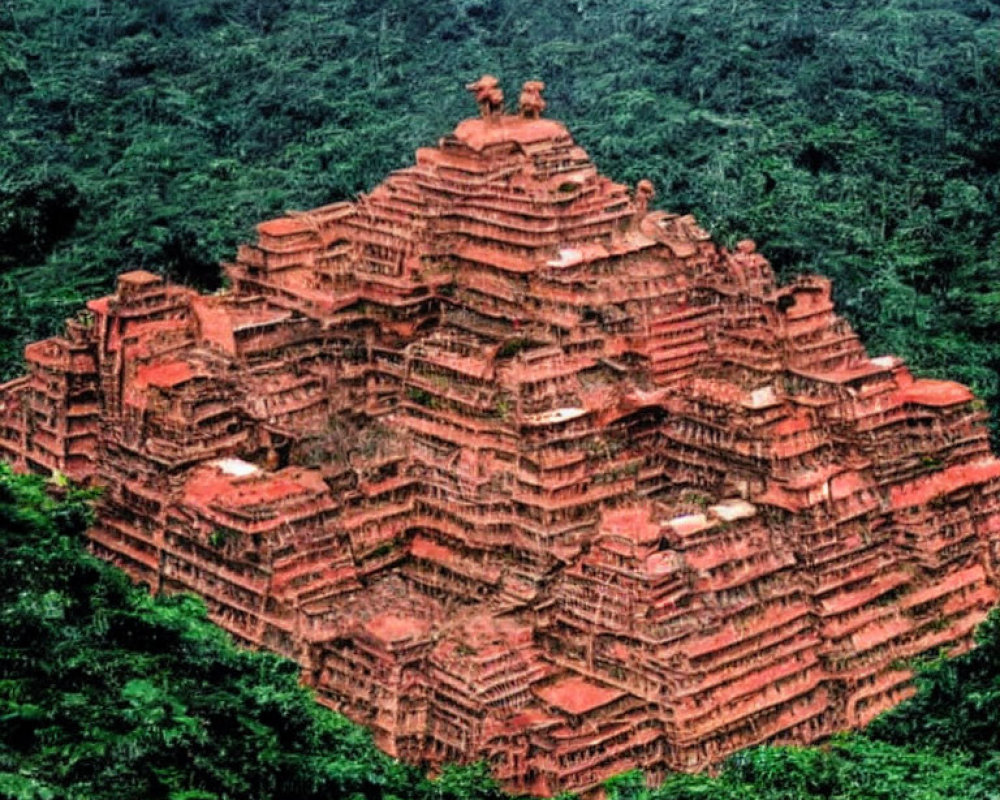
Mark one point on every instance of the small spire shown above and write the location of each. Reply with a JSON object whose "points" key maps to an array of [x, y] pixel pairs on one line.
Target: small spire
{"points": [[531, 104], [488, 95], [644, 192]]}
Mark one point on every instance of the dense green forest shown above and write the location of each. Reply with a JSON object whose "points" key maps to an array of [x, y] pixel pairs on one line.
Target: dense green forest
{"points": [[109, 694], [858, 139]]}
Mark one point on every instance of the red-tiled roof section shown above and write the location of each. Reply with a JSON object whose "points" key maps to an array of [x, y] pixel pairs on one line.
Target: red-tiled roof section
{"points": [[284, 226], [164, 374], [139, 277], [576, 695], [481, 133]]}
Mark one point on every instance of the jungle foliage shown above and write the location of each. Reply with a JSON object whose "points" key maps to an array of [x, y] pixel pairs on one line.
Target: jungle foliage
{"points": [[857, 139]]}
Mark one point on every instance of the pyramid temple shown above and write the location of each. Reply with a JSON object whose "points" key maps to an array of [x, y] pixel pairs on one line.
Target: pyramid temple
{"points": [[520, 469]]}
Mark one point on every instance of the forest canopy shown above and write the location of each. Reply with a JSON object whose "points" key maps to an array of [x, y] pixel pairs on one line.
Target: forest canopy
{"points": [[850, 138]]}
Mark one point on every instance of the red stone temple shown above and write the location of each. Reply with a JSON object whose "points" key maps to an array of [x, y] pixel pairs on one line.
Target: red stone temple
{"points": [[519, 469]]}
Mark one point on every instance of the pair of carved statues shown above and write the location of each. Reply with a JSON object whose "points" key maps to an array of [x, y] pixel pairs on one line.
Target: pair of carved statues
{"points": [[489, 97]]}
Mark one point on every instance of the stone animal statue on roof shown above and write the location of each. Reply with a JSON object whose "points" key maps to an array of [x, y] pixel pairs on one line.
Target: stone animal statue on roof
{"points": [[531, 104], [644, 193], [488, 95]]}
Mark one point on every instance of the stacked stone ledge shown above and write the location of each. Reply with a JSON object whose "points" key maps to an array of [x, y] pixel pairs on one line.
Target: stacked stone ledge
{"points": [[520, 470]]}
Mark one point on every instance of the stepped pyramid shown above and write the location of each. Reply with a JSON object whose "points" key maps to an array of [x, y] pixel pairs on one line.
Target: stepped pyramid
{"points": [[519, 469]]}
